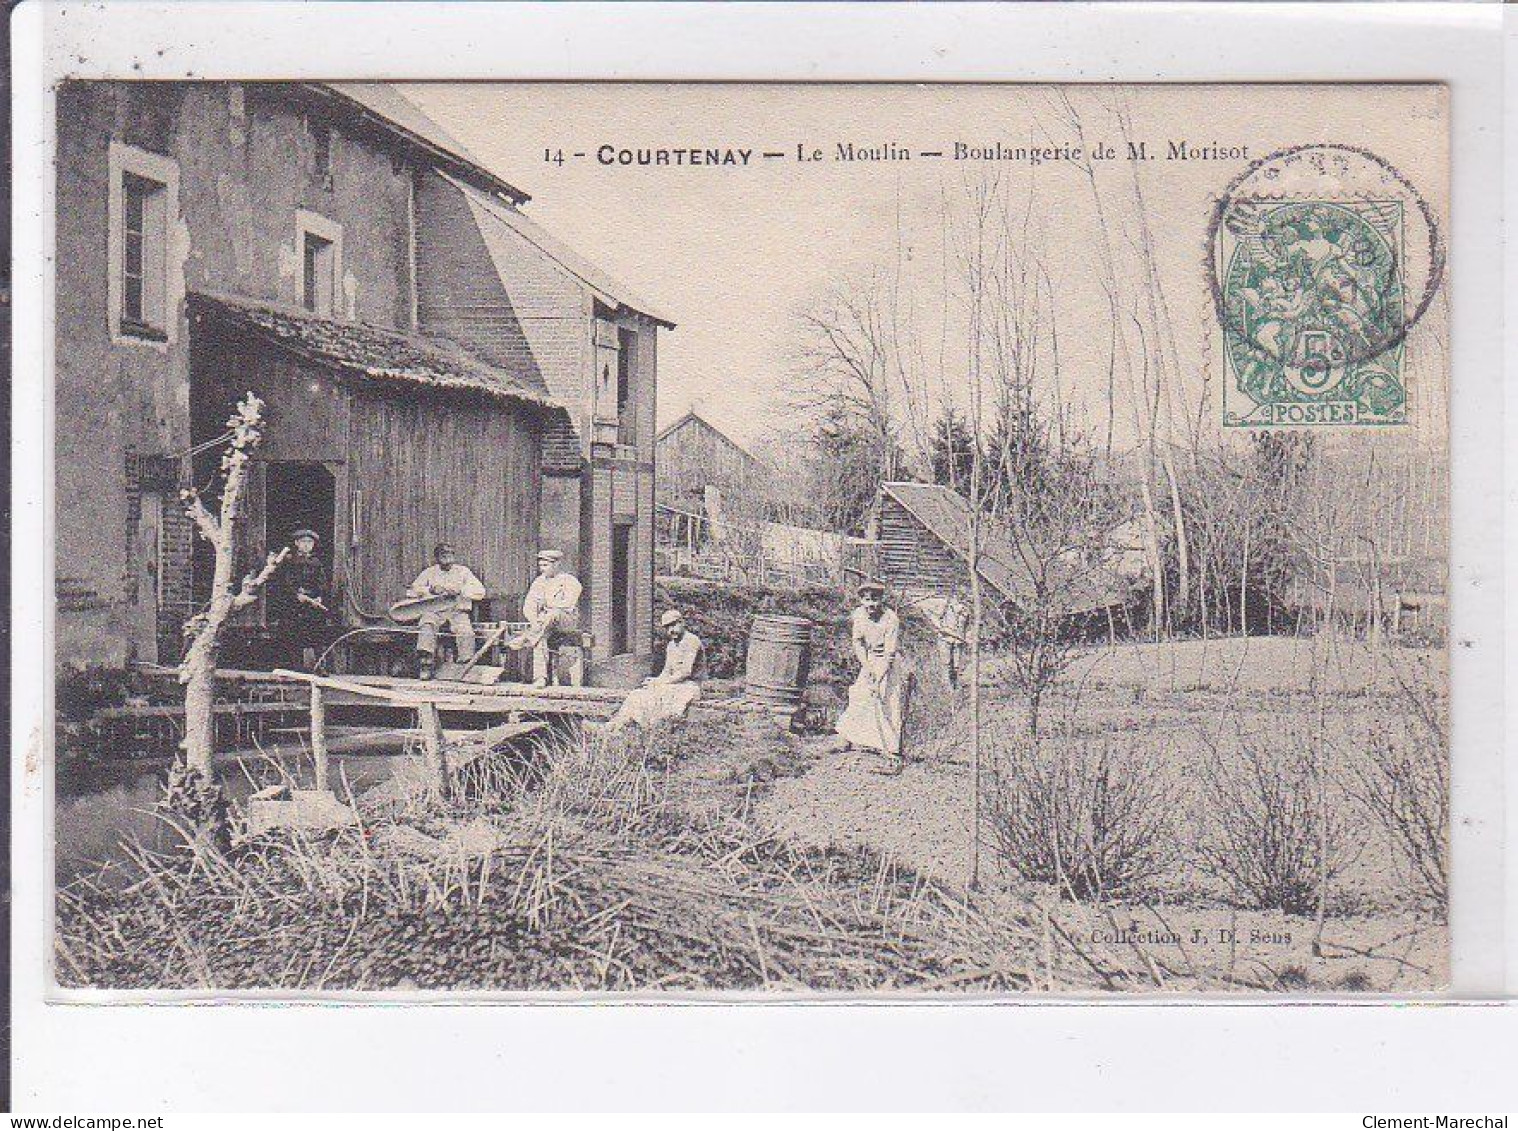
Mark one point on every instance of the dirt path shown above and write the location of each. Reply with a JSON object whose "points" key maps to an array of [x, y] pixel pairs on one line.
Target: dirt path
{"points": [[920, 818]]}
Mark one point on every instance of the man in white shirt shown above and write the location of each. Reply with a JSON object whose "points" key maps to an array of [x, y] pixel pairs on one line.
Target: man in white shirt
{"points": [[445, 578], [669, 694], [552, 609]]}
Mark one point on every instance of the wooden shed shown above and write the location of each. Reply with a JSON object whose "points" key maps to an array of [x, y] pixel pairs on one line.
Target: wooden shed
{"points": [[384, 442], [923, 535]]}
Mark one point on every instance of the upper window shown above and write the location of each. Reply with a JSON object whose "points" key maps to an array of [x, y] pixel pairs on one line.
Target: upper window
{"points": [[143, 202], [317, 289], [142, 255], [627, 421], [319, 243], [321, 151]]}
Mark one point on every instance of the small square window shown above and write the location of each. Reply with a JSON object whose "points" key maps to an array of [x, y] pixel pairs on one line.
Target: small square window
{"points": [[318, 279]]}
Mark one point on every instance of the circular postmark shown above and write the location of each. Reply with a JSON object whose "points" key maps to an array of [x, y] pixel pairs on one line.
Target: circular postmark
{"points": [[1313, 256]]}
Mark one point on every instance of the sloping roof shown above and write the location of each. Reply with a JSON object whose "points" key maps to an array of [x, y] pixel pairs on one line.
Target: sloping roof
{"points": [[494, 219], [946, 515], [694, 417], [370, 353], [394, 112]]}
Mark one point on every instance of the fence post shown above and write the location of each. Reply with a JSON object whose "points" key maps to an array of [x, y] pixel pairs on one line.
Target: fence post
{"points": [[319, 735]]}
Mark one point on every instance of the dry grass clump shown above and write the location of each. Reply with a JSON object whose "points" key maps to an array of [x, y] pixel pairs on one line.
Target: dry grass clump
{"points": [[1402, 779], [576, 869], [1269, 827], [1090, 820]]}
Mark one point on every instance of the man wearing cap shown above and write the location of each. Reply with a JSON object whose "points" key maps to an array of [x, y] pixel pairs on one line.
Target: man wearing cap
{"points": [[445, 578], [872, 719], [552, 609], [669, 694], [298, 607]]}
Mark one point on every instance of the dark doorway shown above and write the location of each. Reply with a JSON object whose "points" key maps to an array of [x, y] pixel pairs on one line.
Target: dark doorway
{"points": [[300, 495], [621, 577]]}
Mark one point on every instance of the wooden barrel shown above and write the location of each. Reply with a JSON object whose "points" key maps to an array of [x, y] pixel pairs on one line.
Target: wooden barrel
{"points": [[779, 658]]}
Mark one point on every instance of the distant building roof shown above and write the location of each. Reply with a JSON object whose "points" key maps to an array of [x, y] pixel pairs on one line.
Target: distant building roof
{"points": [[370, 353], [396, 114], [693, 417], [946, 515], [495, 218]]}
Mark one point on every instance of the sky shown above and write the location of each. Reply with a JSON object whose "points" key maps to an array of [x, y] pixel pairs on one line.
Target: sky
{"points": [[732, 253]]}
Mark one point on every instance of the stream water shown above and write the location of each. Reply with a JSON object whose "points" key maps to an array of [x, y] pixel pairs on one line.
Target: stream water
{"points": [[103, 806]]}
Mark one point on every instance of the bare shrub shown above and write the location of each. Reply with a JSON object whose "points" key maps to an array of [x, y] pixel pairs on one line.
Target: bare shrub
{"points": [[1090, 820], [1402, 780], [1266, 827]]}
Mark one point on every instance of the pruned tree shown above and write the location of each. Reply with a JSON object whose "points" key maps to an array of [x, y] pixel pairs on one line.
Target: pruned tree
{"points": [[192, 788]]}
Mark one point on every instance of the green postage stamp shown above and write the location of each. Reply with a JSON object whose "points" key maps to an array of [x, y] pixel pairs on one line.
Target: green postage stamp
{"points": [[1313, 313]]}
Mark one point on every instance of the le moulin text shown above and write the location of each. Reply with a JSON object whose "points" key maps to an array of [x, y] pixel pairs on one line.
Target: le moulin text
{"points": [[806, 153]]}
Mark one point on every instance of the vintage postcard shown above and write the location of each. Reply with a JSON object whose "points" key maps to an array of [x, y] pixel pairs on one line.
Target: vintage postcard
{"points": [[785, 540]]}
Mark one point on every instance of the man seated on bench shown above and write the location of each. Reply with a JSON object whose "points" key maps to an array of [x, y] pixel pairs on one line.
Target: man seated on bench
{"points": [[552, 609], [669, 694], [445, 578]]}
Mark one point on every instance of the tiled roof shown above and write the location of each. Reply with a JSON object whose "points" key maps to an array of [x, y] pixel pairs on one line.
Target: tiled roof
{"points": [[400, 115], [370, 353], [494, 218], [946, 515]]}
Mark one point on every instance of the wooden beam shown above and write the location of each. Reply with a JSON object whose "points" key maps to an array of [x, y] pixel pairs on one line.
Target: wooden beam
{"points": [[552, 692], [499, 705], [319, 735], [432, 746]]}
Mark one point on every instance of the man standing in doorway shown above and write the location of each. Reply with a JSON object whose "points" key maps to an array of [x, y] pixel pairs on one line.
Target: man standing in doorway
{"points": [[298, 603], [552, 609], [445, 578]]}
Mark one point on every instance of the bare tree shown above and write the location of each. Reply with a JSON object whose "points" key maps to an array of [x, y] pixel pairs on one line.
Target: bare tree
{"points": [[192, 788], [1141, 342], [849, 376], [1057, 538]]}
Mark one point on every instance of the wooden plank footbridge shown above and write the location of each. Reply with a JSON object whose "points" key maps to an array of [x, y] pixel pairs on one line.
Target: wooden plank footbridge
{"points": [[513, 709], [428, 699], [509, 710]]}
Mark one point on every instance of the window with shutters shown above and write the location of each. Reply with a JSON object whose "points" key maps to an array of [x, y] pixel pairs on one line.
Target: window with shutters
{"points": [[143, 203]]}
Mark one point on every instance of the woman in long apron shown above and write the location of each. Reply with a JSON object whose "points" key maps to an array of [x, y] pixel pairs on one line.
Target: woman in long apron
{"points": [[872, 720]]}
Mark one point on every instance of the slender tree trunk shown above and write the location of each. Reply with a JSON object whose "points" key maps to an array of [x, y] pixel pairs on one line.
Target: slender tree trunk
{"points": [[194, 793], [198, 670], [1244, 583]]}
